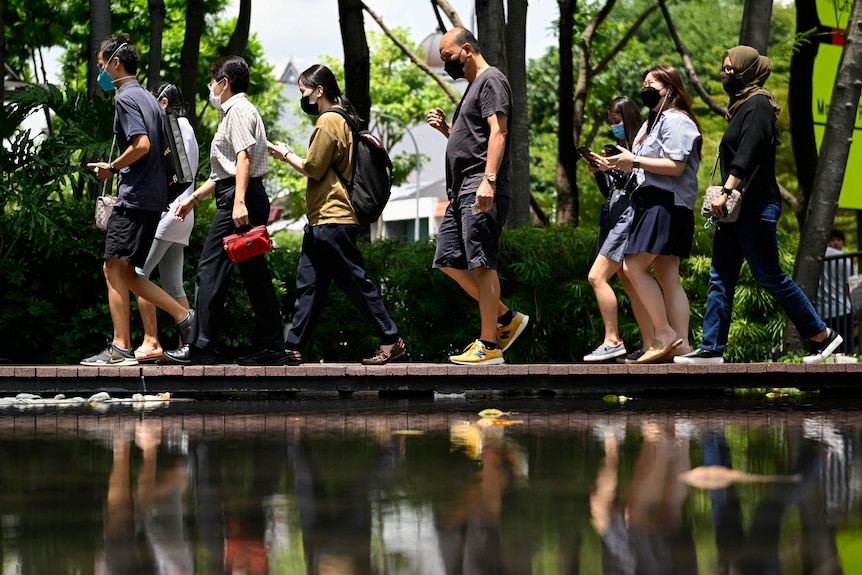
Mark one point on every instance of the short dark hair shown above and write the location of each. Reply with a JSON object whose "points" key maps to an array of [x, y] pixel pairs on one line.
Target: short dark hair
{"points": [[837, 235], [235, 69], [464, 36], [120, 47], [174, 96]]}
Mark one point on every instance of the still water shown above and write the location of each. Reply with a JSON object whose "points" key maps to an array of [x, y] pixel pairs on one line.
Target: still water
{"points": [[346, 486]]}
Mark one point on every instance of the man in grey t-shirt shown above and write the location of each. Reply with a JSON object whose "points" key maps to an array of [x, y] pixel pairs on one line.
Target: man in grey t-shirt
{"points": [[477, 183]]}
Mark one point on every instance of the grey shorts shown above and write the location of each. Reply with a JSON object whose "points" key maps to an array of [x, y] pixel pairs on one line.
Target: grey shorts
{"points": [[466, 241]]}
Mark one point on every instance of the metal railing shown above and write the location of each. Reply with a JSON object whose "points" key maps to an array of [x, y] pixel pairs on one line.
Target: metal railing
{"points": [[833, 298]]}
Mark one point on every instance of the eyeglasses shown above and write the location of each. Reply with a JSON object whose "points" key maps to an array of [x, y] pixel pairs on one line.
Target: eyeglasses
{"points": [[727, 69]]}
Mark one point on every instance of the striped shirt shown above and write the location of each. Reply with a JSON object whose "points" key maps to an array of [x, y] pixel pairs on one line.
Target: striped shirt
{"points": [[673, 136], [240, 128]]}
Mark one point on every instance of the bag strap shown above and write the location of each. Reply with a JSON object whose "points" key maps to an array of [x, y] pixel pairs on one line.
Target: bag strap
{"points": [[747, 181], [343, 113], [110, 159]]}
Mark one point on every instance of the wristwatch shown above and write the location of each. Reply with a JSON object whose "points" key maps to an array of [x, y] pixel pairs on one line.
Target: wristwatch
{"points": [[491, 177], [113, 169], [636, 162]]}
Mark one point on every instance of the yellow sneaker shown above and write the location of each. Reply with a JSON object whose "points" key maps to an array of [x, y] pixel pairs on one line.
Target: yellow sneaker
{"points": [[477, 353], [507, 334]]}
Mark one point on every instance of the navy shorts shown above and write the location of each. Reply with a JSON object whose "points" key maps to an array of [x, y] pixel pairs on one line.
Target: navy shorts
{"points": [[466, 241], [130, 235]]}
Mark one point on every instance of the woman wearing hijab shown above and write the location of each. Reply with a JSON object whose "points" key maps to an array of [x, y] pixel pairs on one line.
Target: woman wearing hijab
{"points": [[747, 150], [664, 161]]}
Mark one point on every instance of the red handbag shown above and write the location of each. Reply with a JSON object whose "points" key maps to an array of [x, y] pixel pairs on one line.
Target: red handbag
{"points": [[240, 247]]}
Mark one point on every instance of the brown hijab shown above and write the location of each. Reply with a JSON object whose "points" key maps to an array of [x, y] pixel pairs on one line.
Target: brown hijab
{"points": [[755, 69]]}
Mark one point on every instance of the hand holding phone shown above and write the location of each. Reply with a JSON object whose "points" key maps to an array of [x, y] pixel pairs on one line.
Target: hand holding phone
{"points": [[611, 150], [587, 155]]}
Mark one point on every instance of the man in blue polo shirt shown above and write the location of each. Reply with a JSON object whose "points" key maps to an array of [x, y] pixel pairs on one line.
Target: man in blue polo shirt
{"points": [[141, 199]]}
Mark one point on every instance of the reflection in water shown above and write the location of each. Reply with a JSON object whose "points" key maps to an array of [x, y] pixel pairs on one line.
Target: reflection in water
{"points": [[366, 487]]}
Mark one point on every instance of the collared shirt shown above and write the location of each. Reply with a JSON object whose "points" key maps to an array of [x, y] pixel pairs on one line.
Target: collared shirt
{"points": [[673, 136], [240, 128]]}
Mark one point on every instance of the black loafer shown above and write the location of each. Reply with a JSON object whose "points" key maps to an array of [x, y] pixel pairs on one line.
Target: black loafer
{"points": [[189, 355], [264, 357]]}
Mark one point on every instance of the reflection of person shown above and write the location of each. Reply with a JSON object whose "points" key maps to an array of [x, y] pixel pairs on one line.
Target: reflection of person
{"points": [[171, 235], [625, 119], [329, 250], [335, 512], [664, 159], [141, 199], [157, 507], [833, 299], [239, 163], [748, 151], [646, 532], [477, 183]]}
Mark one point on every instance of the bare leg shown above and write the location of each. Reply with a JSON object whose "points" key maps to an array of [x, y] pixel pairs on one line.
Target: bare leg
{"points": [[467, 280], [636, 267], [488, 284], [151, 328], [117, 279], [157, 296], [639, 310], [601, 272], [666, 270]]}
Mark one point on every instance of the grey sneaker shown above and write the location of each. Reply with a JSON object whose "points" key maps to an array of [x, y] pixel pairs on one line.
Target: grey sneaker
{"points": [[184, 328], [606, 351], [112, 355]]}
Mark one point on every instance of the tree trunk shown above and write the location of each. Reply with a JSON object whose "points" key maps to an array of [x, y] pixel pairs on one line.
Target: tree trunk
{"points": [[799, 97], [190, 56], [519, 139], [754, 31], [157, 27], [100, 29], [2, 54], [357, 60], [491, 32], [834, 152], [566, 182], [238, 42]]}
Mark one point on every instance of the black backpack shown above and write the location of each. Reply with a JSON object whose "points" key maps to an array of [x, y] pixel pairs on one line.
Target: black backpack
{"points": [[372, 173], [177, 165]]}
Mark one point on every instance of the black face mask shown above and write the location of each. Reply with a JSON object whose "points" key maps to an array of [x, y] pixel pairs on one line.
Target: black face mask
{"points": [[732, 83], [308, 107], [455, 68], [650, 97]]}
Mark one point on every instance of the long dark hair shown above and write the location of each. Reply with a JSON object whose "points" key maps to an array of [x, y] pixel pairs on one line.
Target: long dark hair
{"points": [[679, 98], [631, 115], [320, 75], [175, 98]]}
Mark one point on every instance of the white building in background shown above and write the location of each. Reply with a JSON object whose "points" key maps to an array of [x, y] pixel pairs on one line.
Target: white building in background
{"points": [[421, 199]]}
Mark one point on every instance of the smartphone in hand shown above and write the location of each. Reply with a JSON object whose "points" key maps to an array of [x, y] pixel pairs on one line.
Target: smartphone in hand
{"points": [[611, 150], [586, 154]]}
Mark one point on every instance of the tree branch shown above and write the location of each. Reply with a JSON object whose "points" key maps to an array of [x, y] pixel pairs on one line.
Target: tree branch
{"points": [[453, 96], [450, 13], [687, 64], [603, 63]]}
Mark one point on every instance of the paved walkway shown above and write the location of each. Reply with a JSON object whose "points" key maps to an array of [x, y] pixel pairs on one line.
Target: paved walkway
{"points": [[48, 380]]}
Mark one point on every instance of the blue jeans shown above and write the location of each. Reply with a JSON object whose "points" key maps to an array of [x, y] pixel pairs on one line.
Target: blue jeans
{"points": [[753, 239]]}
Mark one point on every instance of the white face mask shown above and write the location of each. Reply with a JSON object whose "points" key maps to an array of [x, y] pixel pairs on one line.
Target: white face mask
{"points": [[215, 101]]}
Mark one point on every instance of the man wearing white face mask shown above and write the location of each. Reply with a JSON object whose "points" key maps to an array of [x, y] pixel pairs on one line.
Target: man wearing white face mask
{"points": [[142, 196], [238, 156]]}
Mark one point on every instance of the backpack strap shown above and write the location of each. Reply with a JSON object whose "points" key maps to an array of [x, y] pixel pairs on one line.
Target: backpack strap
{"points": [[349, 119]]}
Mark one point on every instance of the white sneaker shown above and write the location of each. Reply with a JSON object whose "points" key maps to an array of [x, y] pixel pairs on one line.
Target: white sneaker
{"points": [[606, 351]]}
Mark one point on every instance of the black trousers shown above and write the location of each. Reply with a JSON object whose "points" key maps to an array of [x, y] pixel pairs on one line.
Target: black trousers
{"points": [[329, 253], [214, 270]]}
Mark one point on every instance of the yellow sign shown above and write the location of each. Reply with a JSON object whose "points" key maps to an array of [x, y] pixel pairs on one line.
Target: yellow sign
{"points": [[834, 14]]}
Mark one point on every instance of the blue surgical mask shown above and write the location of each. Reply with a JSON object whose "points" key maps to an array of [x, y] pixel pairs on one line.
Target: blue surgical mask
{"points": [[104, 79], [619, 131]]}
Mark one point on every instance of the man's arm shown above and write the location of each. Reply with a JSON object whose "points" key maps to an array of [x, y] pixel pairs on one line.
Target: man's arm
{"points": [[499, 130], [243, 172], [139, 148]]}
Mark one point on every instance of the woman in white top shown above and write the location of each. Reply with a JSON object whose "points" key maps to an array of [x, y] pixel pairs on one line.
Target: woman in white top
{"points": [[171, 238], [664, 160]]}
